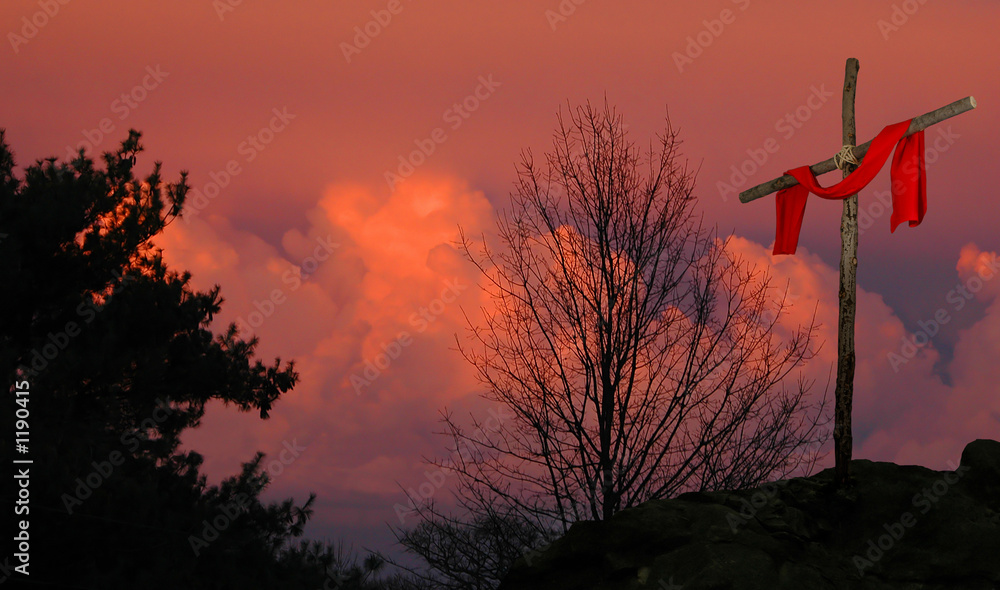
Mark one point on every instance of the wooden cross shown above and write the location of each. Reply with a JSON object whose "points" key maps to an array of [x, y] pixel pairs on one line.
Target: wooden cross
{"points": [[842, 438]]}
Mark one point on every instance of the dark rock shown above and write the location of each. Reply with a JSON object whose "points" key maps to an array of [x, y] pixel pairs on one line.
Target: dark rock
{"points": [[982, 457], [893, 527]]}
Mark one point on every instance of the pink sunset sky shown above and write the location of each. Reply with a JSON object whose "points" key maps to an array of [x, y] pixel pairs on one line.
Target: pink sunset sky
{"points": [[289, 115]]}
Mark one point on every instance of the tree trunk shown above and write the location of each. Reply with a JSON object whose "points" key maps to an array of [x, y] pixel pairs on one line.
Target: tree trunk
{"points": [[608, 408]]}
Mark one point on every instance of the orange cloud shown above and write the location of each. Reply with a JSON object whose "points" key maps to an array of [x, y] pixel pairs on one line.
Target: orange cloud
{"points": [[909, 415], [371, 298]]}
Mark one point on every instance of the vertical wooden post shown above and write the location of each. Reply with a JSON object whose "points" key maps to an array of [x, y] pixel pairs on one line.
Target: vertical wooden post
{"points": [[842, 439]]}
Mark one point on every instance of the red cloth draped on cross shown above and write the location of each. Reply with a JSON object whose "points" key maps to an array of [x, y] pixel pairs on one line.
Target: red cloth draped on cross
{"points": [[909, 185]]}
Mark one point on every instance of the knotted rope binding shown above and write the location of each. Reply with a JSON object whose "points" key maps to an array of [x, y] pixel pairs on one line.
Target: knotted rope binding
{"points": [[845, 157]]}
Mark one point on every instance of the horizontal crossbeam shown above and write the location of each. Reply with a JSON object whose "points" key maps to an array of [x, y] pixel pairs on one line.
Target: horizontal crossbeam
{"points": [[918, 124]]}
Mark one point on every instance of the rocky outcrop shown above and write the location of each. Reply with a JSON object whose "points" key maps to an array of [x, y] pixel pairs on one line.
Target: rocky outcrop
{"points": [[894, 526]]}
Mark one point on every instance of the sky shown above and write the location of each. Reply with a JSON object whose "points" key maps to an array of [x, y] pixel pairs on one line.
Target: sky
{"points": [[335, 148]]}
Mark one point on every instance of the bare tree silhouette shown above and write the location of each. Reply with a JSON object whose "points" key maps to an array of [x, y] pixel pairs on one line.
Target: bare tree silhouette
{"points": [[638, 354]]}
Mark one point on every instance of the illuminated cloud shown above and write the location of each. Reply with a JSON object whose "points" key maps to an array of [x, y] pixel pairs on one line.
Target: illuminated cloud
{"points": [[909, 415], [371, 328]]}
